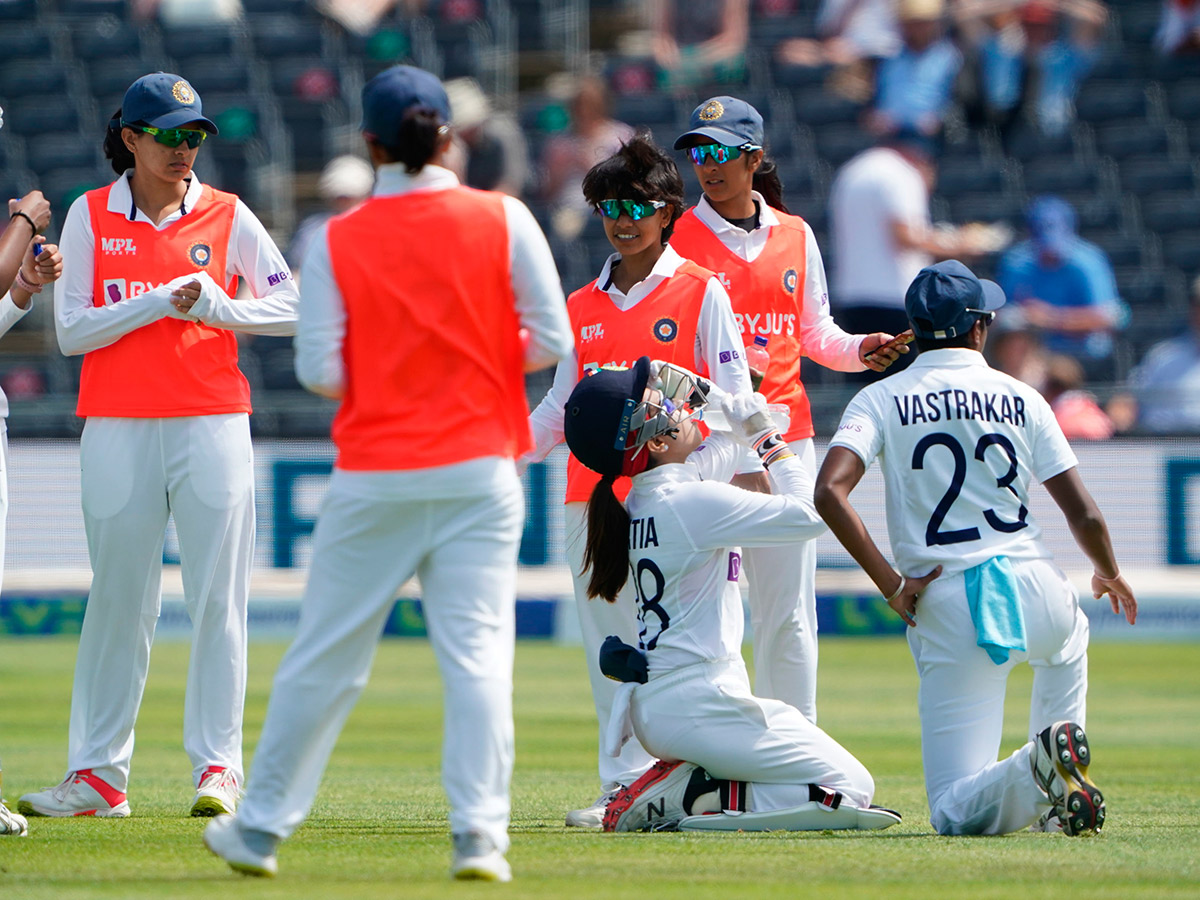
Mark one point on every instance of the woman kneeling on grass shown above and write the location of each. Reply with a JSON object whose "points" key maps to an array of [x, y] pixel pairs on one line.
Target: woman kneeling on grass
{"points": [[757, 764]]}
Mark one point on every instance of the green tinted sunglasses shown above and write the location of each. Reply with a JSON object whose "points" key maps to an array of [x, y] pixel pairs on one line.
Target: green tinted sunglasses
{"points": [[718, 153], [172, 137], [635, 209]]}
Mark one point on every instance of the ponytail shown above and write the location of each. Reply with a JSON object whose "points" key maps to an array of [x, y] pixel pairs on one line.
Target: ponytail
{"points": [[417, 139], [767, 183], [606, 552], [114, 148]]}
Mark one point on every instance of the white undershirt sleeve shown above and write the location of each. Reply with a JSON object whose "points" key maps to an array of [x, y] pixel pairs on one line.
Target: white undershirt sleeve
{"points": [[824, 341], [322, 325], [538, 290], [546, 420], [274, 303]]}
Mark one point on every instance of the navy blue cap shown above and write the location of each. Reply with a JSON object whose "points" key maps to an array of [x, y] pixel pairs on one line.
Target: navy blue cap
{"points": [[163, 100], [1051, 224], [911, 139], [596, 418], [727, 121], [390, 94], [945, 300]]}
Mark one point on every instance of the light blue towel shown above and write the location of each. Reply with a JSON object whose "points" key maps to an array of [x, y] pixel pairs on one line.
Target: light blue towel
{"points": [[995, 608]]}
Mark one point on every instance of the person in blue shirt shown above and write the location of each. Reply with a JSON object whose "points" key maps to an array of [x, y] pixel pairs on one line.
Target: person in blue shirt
{"points": [[1064, 287], [914, 88]]}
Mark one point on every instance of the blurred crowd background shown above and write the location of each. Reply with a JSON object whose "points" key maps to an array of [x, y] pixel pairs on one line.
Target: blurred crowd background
{"points": [[1051, 144]]}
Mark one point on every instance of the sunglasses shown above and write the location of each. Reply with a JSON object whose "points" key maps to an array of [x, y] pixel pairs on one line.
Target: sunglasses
{"points": [[718, 153], [987, 316], [172, 137], [635, 209]]}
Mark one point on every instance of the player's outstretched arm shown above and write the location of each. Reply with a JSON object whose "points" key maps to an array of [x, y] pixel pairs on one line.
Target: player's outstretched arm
{"points": [[1091, 534], [841, 471]]}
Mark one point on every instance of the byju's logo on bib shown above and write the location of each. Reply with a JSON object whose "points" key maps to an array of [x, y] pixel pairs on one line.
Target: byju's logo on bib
{"points": [[118, 289]]}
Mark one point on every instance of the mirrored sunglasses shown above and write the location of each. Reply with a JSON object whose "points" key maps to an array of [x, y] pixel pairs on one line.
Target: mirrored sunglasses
{"points": [[173, 137], [635, 209], [718, 153]]}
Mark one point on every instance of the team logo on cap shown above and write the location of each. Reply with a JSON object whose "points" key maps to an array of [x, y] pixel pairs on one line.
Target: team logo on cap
{"points": [[182, 91], [789, 280], [713, 109], [200, 254], [665, 330]]}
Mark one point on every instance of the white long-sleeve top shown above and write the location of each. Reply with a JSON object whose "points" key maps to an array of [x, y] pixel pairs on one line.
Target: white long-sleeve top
{"points": [[82, 326], [540, 305], [823, 339], [716, 330], [687, 530], [10, 314]]}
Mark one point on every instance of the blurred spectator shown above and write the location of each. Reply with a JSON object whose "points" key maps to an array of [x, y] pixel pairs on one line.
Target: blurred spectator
{"points": [[847, 31], [1064, 287], [1076, 410], [344, 183], [591, 137], [187, 12], [1017, 352], [1166, 385], [363, 16], [1029, 58], [494, 154], [700, 42], [882, 234], [914, 88], [1179, 29]]}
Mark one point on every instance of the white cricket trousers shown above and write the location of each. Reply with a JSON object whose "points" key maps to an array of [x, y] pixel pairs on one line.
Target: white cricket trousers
{"points": [[134, 474], [783, 613], [3, 492], [961, 699], [597, 620], [704, 713], [367, 543]]}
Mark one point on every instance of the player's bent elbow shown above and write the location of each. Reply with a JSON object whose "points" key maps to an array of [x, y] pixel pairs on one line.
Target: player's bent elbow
{"points": [[826, 499]]}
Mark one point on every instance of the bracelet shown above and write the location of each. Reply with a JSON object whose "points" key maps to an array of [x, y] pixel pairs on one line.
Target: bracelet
{"points": [[26, 217], [771, 448], [899, 590], [1100, 577], [26, 285]]}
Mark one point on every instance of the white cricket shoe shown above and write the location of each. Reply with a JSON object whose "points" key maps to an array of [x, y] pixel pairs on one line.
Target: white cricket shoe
{"points": [[593, 816], [655, 802], [222, 837], [81, 793], [476, 858], [1060, 762], [217, 794], [12, 823]]}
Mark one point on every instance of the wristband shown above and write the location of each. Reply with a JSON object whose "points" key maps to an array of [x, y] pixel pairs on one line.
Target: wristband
{"points": [[26, 285], [899, 590], [26, 217], [1100, 577], [771, 448]]}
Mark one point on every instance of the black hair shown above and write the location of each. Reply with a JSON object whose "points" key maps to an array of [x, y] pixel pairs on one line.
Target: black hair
{"points": [[606, 552], [961, 340], [417, 139], [767, 183], [114, 147], [640, 170]]}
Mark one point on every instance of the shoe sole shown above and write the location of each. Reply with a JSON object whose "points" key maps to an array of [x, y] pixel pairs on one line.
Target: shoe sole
{"points": [[207, 807], [625, 797], [116, 812], [1082, 811], [479, 873], [240, 867]]}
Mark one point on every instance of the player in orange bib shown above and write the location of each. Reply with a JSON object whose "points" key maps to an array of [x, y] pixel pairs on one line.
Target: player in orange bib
{"points": [[769, 262], [647, 301], [151, 266]]}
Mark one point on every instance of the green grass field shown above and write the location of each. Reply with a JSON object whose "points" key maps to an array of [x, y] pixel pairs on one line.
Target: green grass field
{"points": [[378, 828]]}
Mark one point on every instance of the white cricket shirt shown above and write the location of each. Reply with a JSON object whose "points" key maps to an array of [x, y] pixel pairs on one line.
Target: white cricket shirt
{"points": [[959, 443], [687, 528]]}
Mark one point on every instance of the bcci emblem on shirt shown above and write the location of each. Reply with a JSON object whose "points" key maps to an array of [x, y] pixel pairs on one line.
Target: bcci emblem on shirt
{"points": [[665, 330], [200, 254], [790, 279]]}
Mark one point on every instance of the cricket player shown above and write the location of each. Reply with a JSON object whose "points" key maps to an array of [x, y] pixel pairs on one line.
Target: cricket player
{"points": [[26, 263], [151, 268], [753, 763], [959, 444], [411, 311]]}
